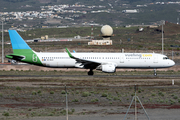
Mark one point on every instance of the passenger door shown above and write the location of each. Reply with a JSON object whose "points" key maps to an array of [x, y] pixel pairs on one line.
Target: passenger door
{"points": [[155, 58], [121, 59]]}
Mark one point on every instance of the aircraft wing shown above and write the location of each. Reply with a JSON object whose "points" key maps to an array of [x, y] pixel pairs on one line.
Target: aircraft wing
{"points": [[86, 63]]}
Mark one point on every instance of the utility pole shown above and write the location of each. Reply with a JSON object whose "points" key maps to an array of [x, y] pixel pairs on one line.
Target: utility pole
{"points": [[135, 104], [66, 104], [172, 54], [2, 42], [92, 33]]}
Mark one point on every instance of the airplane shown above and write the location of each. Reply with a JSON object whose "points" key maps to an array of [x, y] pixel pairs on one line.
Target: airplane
{"points": [[105, 62]]}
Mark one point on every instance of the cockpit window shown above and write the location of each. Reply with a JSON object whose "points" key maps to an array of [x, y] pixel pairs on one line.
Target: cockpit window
{"points": [[165, 58]]}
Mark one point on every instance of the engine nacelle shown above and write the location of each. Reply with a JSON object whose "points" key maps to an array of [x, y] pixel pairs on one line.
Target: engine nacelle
{"points": [[108, 68], [79, 65]]}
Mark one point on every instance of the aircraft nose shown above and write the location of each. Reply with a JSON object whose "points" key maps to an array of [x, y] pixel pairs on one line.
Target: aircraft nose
{"points": [[172, 63]]}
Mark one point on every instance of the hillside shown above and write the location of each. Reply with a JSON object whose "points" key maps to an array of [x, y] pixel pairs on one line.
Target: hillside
{"points": [[85, 11]]}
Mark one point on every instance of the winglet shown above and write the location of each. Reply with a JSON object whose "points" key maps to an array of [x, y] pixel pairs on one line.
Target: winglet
{"points": [[70, 55]]}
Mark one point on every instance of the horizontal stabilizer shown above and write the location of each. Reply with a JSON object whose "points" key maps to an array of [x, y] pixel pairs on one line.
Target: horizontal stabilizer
{"points": [[15, 57]]}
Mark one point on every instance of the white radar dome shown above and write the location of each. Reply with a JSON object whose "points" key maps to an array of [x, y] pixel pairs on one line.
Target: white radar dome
{"points": [[106, 30]]}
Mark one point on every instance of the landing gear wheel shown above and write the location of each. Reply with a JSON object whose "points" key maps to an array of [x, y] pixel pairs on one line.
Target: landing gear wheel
{"points": [[90, 72], [155, 74]]}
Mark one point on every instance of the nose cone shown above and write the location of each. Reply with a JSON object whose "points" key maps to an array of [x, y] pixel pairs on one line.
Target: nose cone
{"points": [[172, 63]]}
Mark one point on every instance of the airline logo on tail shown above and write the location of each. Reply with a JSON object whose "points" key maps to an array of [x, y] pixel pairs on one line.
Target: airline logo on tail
{"points": [[35, 58]]}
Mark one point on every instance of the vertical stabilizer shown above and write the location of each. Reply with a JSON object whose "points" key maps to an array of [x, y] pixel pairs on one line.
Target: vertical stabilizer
{"points": [[17, 42], [21, 51]]}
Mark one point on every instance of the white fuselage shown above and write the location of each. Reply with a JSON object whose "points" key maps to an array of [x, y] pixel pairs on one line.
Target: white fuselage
{"points": [[120, 60]]}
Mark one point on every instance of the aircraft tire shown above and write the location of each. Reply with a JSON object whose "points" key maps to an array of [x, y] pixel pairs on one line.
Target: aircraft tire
{"points": [[155, 74], [90, 72]]}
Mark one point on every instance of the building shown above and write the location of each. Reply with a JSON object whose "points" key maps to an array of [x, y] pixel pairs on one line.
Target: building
{"points": [[131, 11], [100, 42]]}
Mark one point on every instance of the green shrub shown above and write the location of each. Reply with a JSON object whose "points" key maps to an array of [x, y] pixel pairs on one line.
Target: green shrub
{"points": [[94, 100], [92, 92], [175, 97], [109, 98], [52, 92], [33, 113], [172, 101], [63, 112], [34, 93], [63, 92], [153, 94], [77, 91], [161, 101], [104, 95], [161, 93], [115, 98], [73, 110], [39, 91], [5, 114], [85, 94], [18, 88], [150, 99], [50, 114], [75, 100]]}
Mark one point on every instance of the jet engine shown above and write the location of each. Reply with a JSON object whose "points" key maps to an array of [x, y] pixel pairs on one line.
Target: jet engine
{"points": [[79, 65], [108, 68]]}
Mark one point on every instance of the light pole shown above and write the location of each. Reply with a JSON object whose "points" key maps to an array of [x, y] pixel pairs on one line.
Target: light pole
{"points": [[66, 104], [2, 41], [163, 37]]}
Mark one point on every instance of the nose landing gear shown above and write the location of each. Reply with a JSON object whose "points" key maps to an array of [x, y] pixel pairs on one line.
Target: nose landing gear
{"points": [[155, 74]]}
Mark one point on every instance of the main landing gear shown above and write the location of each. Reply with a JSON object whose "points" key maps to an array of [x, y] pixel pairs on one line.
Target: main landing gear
{"points": [[90, 72], [155, 74]]}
